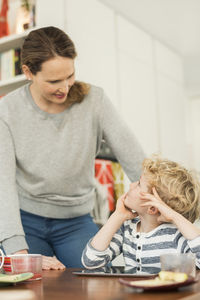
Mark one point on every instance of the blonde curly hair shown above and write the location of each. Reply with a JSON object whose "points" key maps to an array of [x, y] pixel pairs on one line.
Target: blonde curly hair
{"points": [[178, 187]]}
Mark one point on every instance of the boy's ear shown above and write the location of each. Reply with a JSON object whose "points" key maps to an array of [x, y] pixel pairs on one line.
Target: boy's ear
{"points": [[152, 210]]}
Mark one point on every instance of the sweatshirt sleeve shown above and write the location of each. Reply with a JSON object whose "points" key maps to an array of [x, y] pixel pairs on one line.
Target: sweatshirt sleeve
{"points": [[121, 140], [92, 258], [12, 236]]}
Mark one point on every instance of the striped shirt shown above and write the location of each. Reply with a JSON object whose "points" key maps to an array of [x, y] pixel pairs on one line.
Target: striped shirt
{"points": [[141, 251]]}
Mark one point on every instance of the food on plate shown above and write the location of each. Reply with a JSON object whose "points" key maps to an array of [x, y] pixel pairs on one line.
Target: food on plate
{"points": [[174, 276], [163, 278]]}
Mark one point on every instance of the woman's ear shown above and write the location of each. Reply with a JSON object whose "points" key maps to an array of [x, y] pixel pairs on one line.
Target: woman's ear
{"points": [[152, 210], [27, 72]]}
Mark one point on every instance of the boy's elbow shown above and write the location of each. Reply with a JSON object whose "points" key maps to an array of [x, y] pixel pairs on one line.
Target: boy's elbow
{"points": [[92, 264]]}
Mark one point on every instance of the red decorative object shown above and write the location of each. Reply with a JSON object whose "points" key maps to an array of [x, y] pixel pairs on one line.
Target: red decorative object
{"points": [[4, 29], [103, 173]]}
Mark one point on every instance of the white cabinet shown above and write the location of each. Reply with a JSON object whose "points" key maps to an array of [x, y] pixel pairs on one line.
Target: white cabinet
{"points": [[172, 119], [171, 104], [138, 101], [194, 109], [137, 84], [152, 96], [50, 13], [91, 26]]}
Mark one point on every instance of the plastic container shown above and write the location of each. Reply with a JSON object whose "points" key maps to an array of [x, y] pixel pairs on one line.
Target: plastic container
{"points": [[24, 263], [179, 262]]}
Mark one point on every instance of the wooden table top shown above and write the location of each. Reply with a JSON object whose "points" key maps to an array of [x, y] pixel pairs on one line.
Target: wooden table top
{"points": [[60, 285]]}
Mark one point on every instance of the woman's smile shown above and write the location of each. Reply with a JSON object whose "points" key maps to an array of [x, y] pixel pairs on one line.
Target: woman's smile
{"points": [[60, 96]]}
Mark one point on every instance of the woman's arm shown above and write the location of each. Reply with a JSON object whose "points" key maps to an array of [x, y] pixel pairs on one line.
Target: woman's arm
{"points": [[11, 231], [121, 139], [167, 214]]}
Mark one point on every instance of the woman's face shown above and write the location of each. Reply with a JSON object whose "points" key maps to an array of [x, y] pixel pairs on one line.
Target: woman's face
{"points": [[132, 199], [52, 84]]}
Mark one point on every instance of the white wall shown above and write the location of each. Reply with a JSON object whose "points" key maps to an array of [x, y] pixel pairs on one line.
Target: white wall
{"points": [[194, 111], [50, 13], [171, 103], [137, 83], [91, 26]]}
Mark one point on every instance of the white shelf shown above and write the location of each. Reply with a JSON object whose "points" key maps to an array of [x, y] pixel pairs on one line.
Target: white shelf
{"points": [[13, 40], [6, 43], [10, 84]]}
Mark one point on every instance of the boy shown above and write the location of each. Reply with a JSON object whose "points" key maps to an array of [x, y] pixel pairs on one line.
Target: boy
{"points": [[155, 217]]}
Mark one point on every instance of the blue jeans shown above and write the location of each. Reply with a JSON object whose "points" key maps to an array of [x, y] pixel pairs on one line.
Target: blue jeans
{"points": [[64, 238]]}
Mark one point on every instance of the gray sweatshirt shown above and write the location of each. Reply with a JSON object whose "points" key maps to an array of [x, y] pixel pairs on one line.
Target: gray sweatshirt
{"points": [[47, 160]]}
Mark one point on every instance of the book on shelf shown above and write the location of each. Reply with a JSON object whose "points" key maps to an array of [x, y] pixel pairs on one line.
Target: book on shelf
{"points": [[10, 64]]}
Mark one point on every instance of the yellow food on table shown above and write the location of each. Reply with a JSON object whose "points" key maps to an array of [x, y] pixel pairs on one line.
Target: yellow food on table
{"points": [[151, 282], [163, 278], [174, 276]]}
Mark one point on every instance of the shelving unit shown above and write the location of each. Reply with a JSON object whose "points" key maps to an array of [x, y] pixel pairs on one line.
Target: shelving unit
{"points": [[6, 43], [8, 85]]}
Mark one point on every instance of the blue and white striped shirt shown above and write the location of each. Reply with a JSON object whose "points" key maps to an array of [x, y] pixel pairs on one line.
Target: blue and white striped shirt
{"points": [[141, 251]]}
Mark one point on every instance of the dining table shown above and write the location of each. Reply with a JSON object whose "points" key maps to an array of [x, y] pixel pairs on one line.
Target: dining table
{"points": [[64, 284]]}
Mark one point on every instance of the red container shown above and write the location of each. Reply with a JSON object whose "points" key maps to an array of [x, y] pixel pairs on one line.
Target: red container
{"points": [[23, 263]]}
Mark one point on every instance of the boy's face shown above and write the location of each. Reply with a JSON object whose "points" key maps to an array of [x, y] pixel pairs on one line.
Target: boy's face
{"points": [[132, 199]]}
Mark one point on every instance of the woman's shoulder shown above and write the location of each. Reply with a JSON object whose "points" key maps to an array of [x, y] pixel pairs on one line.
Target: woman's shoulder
{"points": [[14, 96], [94, 100], [10, 103], [95, 91]]}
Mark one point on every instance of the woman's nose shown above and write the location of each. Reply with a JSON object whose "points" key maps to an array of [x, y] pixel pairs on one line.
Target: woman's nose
{"points": [[64, 87]]}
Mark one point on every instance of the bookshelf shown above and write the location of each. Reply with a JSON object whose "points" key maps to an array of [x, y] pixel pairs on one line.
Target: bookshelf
{"points": [[7, 43]]}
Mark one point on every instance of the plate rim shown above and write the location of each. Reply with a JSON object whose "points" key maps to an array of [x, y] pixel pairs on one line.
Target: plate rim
{"points": [[175, 285]]}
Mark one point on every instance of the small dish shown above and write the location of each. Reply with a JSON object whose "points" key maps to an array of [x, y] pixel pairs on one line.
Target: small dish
{"points": [[11, 279], [144, 285]]}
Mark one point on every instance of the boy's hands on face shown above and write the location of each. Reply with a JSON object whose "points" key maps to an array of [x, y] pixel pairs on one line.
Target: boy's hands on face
{"points": [[167, 214], [122, 210]]}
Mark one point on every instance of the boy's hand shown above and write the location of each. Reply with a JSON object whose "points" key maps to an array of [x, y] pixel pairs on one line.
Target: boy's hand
{"points": [[122, 210], [167, 214]]}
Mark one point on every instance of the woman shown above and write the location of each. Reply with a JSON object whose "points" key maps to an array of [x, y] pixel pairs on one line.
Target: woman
{"points": [[51, 130]]}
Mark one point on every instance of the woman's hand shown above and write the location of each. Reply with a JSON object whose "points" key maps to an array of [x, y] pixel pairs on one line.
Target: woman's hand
{"points": [[122, 210], [167, 214], [51, 263], [21, 252]]}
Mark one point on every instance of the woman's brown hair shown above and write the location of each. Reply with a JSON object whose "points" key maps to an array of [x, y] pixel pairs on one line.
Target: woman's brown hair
{"points": [[46, 43]]}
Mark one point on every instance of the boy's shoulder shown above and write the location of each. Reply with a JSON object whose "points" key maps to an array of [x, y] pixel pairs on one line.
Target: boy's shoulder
{"points": [[164, 229]]}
